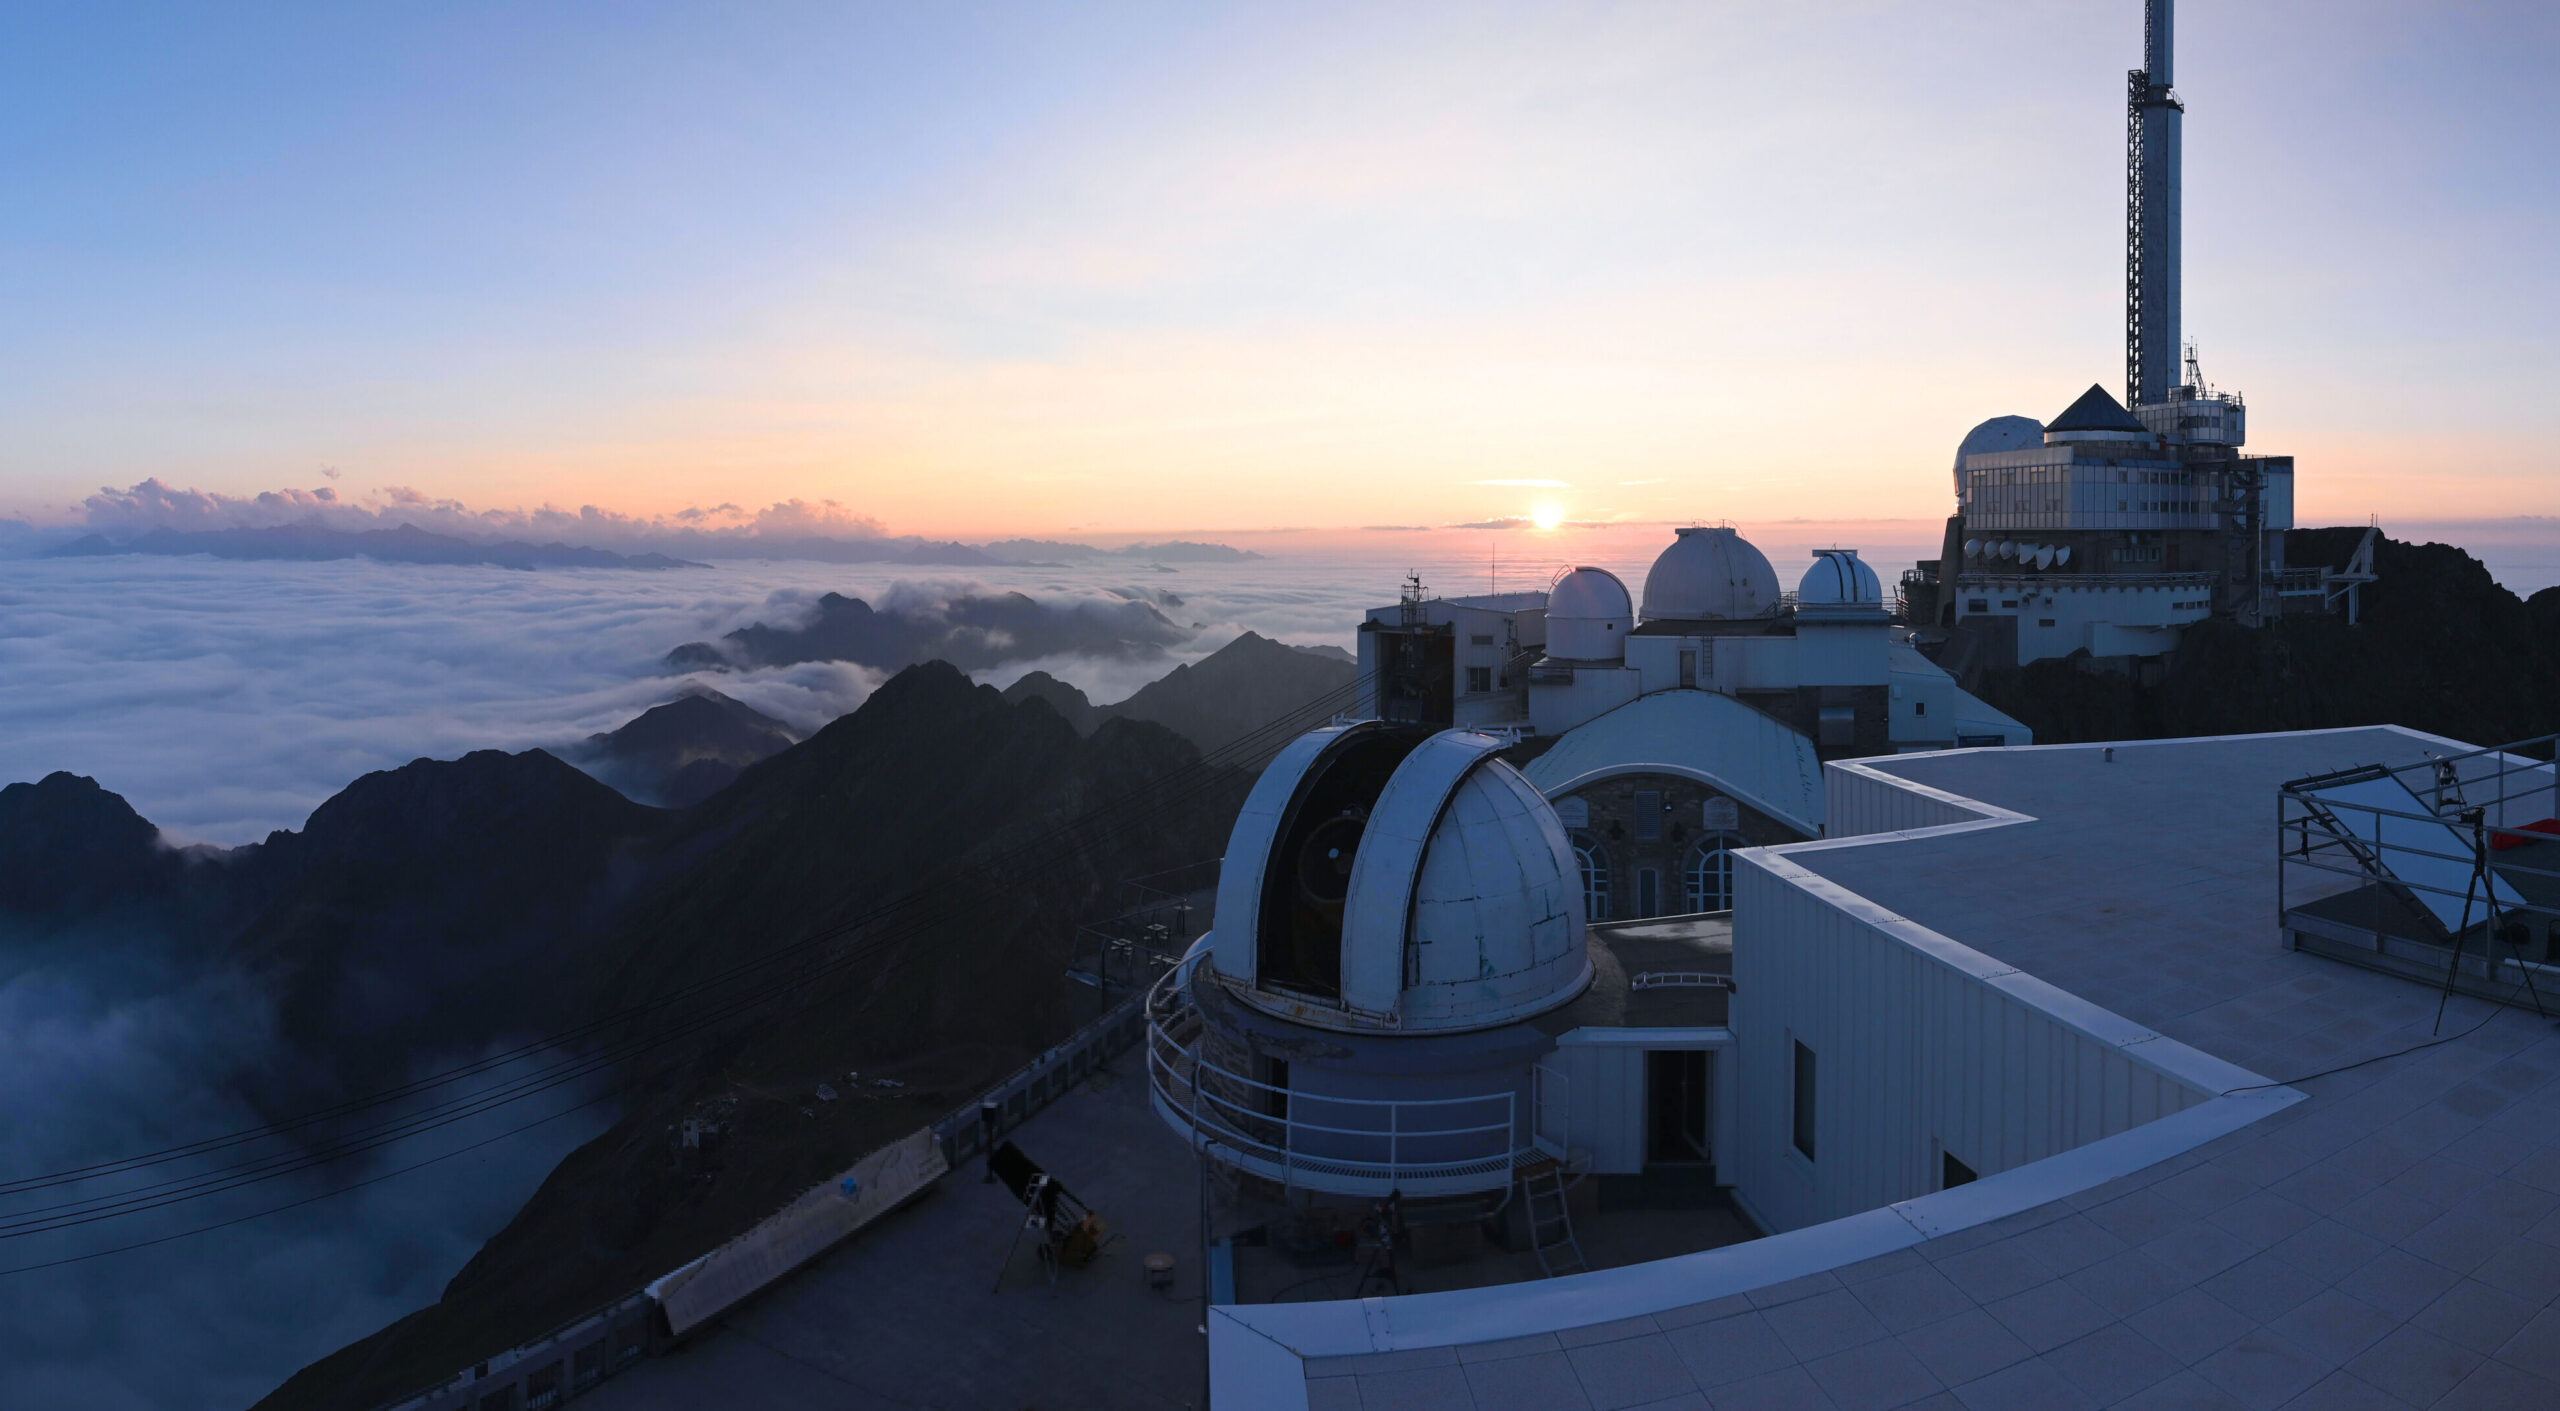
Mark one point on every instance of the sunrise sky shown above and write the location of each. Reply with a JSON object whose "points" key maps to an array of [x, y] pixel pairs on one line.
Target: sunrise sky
{"points": [[975, 270]]}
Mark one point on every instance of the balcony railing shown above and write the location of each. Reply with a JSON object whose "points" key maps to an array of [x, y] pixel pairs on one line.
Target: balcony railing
{"points": [[1299, 1139]]}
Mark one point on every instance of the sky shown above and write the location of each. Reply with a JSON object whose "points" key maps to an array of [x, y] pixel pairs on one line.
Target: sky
{"points": [[974, 270]]}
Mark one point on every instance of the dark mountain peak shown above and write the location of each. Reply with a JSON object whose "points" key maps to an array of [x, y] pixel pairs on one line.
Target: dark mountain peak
{"points": [[431, 803], [699, 722], [684, 751], [927, 687], [65, 842], [1238, 688], [1072, 705]]}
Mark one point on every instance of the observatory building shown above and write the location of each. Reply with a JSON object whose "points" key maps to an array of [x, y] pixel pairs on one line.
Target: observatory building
{"points": [[1401, 978], [2120, 523], [1671, 732]]}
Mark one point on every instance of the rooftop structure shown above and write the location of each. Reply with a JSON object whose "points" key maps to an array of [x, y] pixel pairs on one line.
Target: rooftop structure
{"points": [[2040, 1111], [2119, 524]]}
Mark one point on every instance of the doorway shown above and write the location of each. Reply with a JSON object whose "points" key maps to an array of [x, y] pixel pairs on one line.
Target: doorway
{"points": [[1677, 1098]]}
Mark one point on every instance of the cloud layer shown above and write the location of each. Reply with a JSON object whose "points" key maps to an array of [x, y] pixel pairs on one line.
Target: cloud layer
{"points": [[155, 504], [226, 698]]}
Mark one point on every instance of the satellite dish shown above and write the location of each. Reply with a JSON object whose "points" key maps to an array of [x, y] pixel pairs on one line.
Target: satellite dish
{"points": [[1973, 548], [2008, 548], [2044, 556], [2063, 554]]}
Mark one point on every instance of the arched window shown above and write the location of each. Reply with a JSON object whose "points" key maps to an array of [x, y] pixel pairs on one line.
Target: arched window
{"points": [[1711, 875], [1595, 879]]}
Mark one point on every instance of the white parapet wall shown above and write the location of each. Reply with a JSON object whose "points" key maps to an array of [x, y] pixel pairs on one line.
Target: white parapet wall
{"points": [[1920, 1047]]}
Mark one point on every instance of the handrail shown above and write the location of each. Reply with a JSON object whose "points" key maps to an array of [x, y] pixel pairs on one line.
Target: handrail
{"points": [[1218, 1112]]}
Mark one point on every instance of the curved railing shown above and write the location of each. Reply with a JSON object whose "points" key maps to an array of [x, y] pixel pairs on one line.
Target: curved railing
{"points": [[1315, 1141]]}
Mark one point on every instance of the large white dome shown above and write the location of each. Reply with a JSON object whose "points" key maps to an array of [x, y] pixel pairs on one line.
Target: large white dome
{"points": [[1839, 578], [1380, 882], [1710, 573], [1588, 614]]}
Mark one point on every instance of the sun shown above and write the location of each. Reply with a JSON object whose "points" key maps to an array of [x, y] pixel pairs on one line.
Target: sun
{"points": [[1547, 515]]}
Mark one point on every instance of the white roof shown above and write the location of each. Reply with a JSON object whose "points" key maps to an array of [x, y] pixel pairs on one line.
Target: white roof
{"points": [[1709, 573], [1590, 592], [1699, 735]]}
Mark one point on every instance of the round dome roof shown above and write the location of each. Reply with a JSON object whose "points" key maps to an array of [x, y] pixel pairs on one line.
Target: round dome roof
{"points": [[2000, 433], [1588, 614], [1377, 881], [1590, 593], [1839, 578], [1710, 573]]}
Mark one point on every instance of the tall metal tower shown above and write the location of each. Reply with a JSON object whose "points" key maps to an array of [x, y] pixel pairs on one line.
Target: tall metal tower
{"points": [[2152, 120]]}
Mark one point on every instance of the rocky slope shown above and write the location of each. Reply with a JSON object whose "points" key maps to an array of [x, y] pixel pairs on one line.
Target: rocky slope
{"points": [[935, 790], [1211, 702]]}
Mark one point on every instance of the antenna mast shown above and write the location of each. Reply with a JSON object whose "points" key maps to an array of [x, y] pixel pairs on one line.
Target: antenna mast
{"points": [[2153, 201]]}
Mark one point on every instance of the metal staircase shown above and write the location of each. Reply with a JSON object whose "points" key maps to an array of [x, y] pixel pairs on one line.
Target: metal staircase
{"points": [[1551, 1222]]}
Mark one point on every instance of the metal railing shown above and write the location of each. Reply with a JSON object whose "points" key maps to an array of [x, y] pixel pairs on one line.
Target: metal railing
{"points": [[1673, 979], [1300, 1139], [2445, 868]]}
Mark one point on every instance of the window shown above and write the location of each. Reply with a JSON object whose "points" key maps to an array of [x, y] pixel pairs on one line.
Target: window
{"points": [[1951, 1172], [1481, 639], [1804, 1100], [1648, 892], [1977, 605], [1689, 667], [1648, 815], [1919, 707], [1595, 881], [1479, 679], [1711, 876], [2044, 622]]}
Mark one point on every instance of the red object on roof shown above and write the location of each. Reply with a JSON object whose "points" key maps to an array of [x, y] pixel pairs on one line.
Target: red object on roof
{"points": [[2501, 841]]}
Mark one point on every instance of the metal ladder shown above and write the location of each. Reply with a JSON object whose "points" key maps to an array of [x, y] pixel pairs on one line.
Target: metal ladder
{"points": [[1551, 1223]]}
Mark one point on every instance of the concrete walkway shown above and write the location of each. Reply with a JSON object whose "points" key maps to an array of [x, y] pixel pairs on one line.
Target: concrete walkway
{"points": [[903, 1314]]}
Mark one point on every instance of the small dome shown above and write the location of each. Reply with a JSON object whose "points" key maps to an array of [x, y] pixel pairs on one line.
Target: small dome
{"points": [[1710, 574], [1378, 880], [1839, 578], [2000, 433], [1588, 614]]}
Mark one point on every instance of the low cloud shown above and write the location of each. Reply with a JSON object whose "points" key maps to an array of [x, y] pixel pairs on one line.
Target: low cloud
{"points": [[115, 1041], [156, 504]]}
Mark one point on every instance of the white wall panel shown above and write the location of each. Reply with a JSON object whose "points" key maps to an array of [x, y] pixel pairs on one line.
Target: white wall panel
{"points": [[1918, 1041]]}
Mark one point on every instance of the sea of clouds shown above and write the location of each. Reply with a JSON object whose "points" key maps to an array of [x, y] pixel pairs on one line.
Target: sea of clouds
{"points": [[227, 698]]}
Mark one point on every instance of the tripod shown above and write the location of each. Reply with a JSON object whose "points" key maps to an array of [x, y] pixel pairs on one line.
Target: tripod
{"points": [[2483, 884]]}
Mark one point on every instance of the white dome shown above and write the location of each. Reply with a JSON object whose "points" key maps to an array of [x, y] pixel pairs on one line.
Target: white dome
{"points": [[2000, 433], [1710, 574], [1443, 890], [1588, 614], [1839, 578]]}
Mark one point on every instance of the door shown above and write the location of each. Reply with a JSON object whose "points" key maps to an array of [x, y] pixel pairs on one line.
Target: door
{"points": [[1676, 1100]]}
